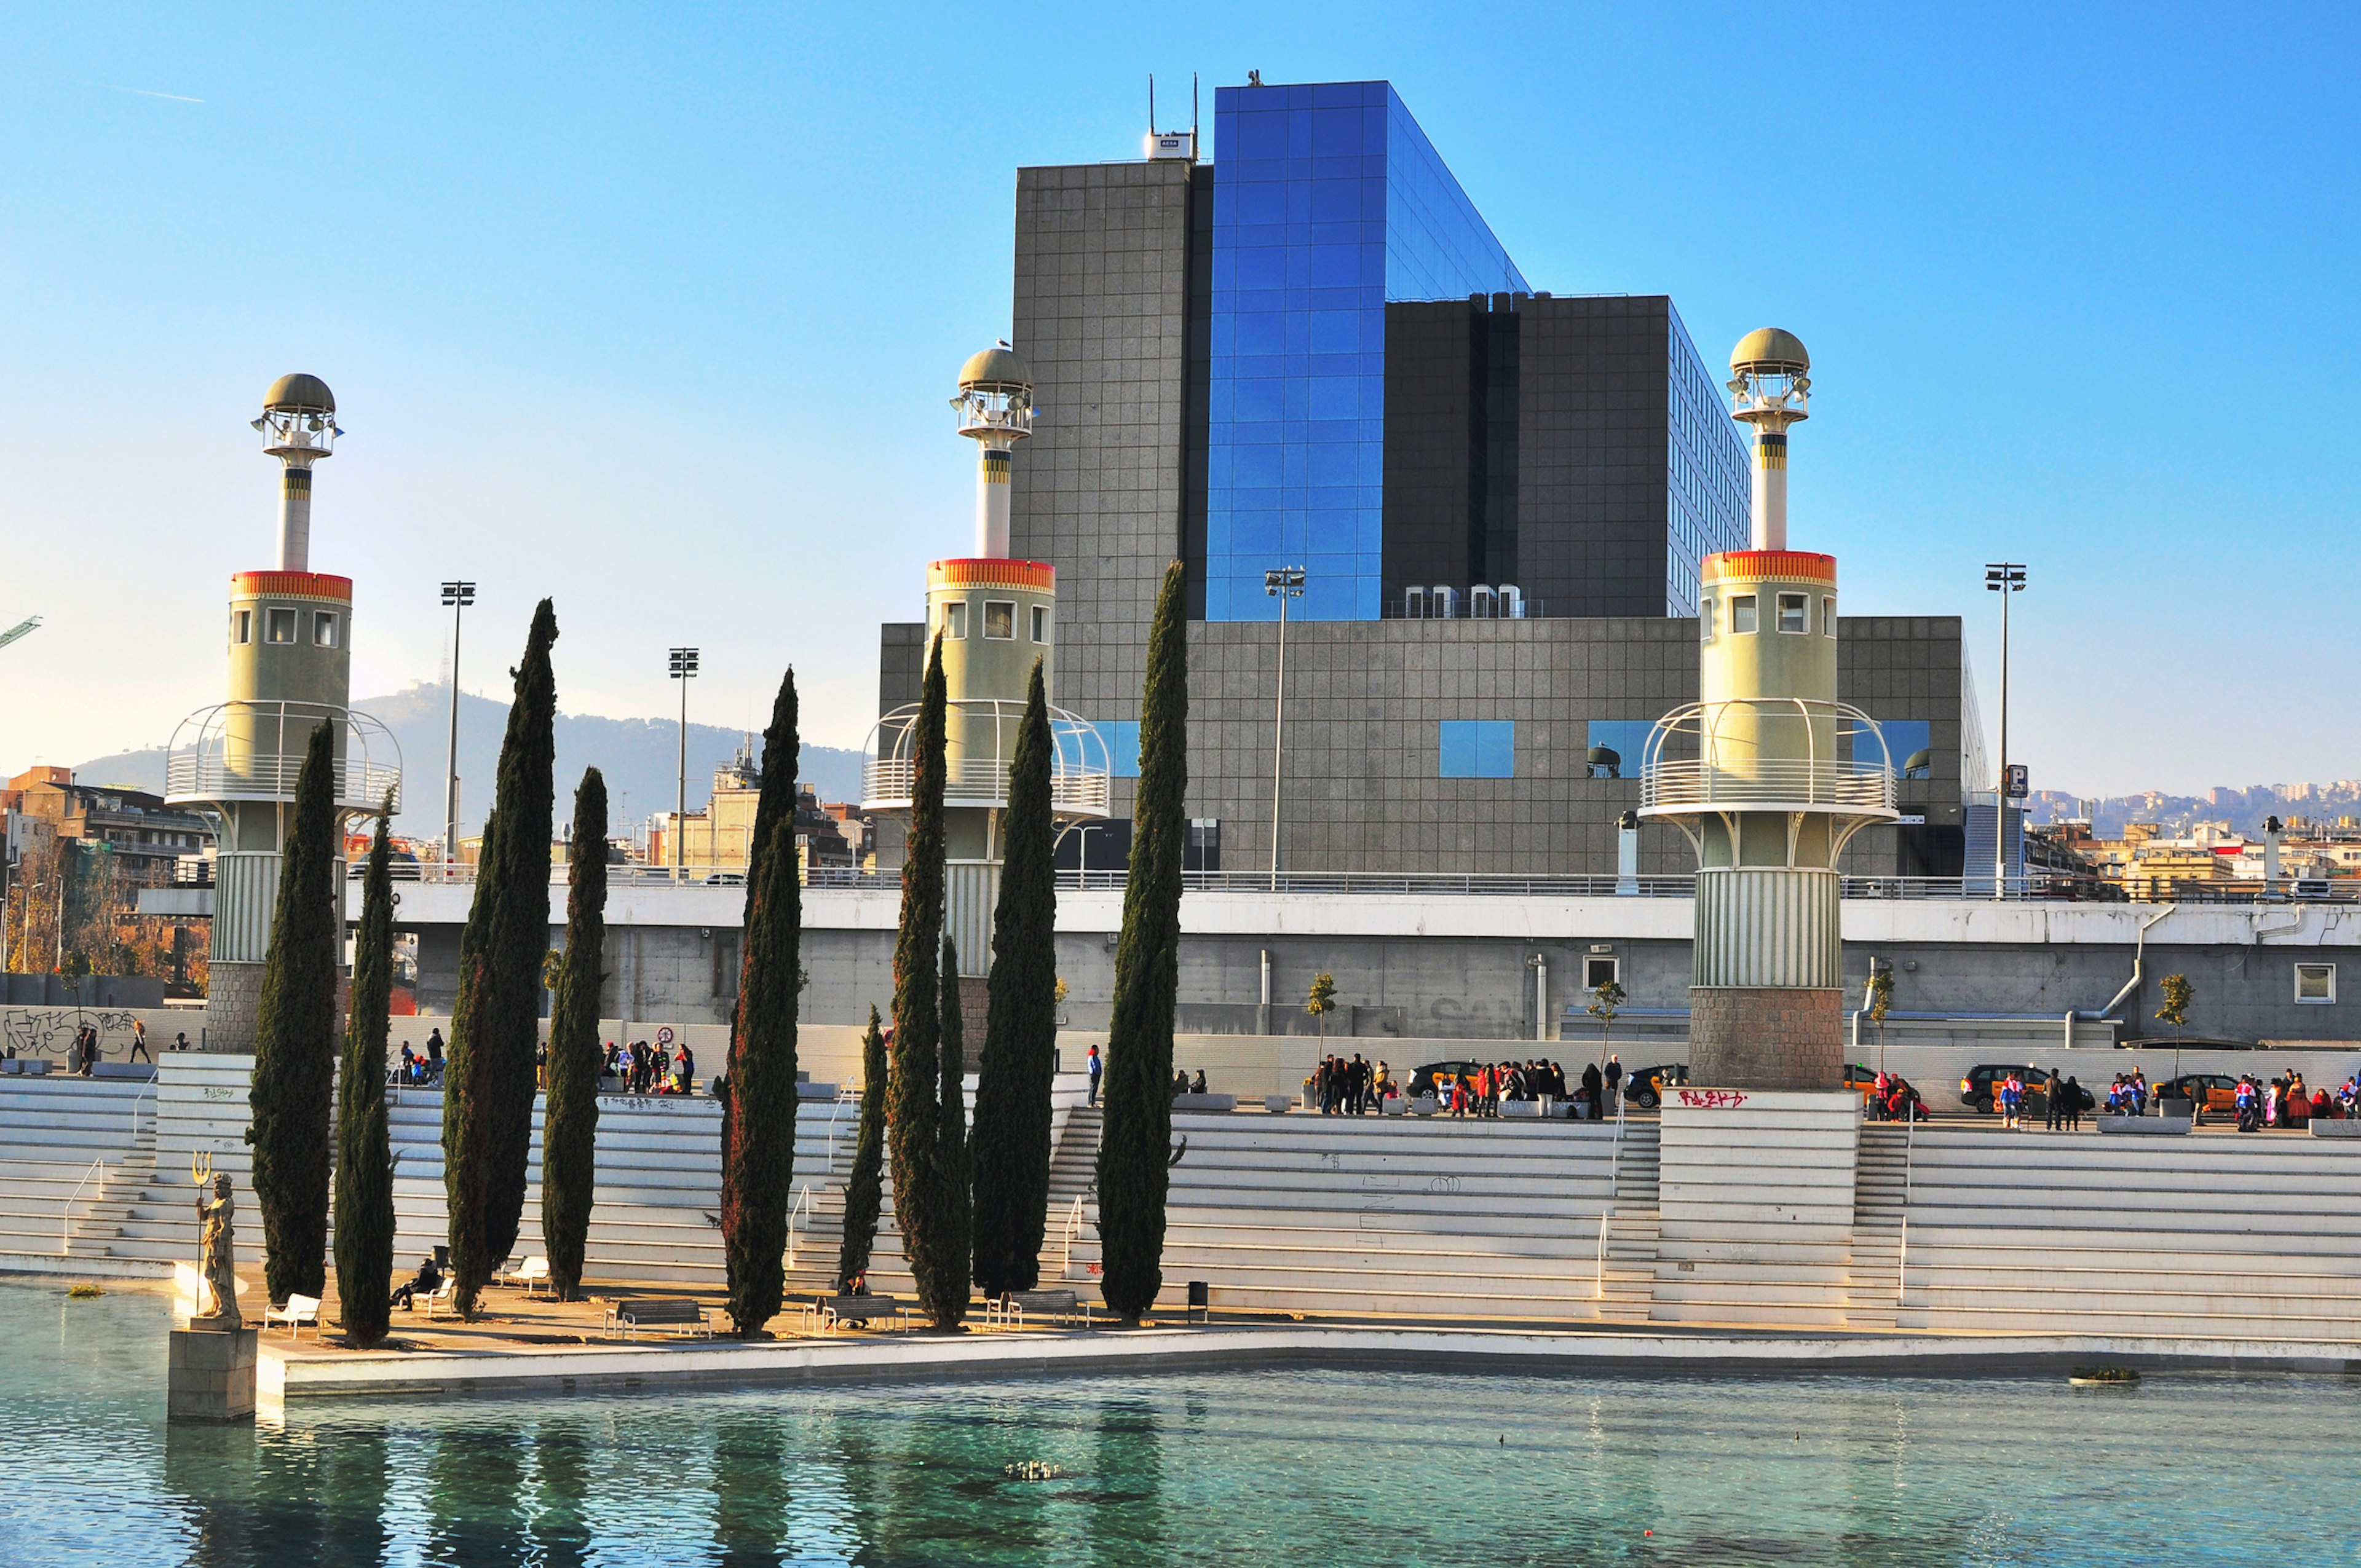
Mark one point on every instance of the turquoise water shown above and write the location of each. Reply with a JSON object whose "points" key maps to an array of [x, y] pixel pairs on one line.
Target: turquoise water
{"points": [[1243, 1468]]}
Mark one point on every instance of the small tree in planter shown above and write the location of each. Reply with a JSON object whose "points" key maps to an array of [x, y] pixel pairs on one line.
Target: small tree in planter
{"points": [[1322, 1000], [2178, 994], [1880, 990], [1603, 999]]}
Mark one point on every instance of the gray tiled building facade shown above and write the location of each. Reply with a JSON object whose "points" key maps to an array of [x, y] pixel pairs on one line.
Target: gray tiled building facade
{"points": [[1572, 445]]}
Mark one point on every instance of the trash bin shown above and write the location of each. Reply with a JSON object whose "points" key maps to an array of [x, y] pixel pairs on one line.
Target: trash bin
{"points": [[1200, 1300]]}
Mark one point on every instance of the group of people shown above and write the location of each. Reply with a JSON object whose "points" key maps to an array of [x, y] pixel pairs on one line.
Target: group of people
{"points": [[1352, 1088], [1894, 1098], [2286, 1102], [1181, 1084], [421, 1069], [646, 1069]]}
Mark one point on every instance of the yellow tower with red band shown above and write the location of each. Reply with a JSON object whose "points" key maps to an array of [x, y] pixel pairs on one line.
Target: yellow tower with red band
{"points": [[990, 617], [1768, 775], [289, 647]]}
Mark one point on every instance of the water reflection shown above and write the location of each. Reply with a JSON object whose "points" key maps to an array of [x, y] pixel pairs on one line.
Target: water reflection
{"points": [[1280, 1465]]}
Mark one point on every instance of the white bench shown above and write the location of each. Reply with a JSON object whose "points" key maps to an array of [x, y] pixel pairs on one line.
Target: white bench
{"points": [[444, 1298], [533, 1271], [299, 1310]]}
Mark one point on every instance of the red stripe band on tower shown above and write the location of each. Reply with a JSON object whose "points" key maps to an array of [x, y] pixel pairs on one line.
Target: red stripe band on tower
{"points": [[983, 571], [1768, 565], [291, 585]]}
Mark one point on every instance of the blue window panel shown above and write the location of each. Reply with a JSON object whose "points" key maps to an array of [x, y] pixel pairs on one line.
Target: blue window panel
{"points": [[1477, 748], [1254, 466], [1122, 737], [1260, 135], [1334, 397], [1259, 398], [1910, 742], [1616, 747], [1333, 464], [1335, 332]]}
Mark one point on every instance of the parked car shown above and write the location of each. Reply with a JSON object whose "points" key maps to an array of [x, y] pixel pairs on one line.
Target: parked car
{"points": [[1644, 1089], [1977, 1091], [2192, 1043], [1861, 1080], [1440, 1078], [2219, 1090]]}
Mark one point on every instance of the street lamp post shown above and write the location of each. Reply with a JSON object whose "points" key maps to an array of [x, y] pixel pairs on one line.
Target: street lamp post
{"points": [[1282, 584], [458, 596], [2004, 578], [684, 670]]}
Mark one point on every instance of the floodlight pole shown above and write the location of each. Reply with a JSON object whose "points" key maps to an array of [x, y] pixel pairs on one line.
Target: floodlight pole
{"points": [[684, 666], [2004, 578], [1282, 584], [458, 596]]}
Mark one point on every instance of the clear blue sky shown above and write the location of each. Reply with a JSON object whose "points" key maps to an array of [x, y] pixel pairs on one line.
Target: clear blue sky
{"points": [[655, 309]]}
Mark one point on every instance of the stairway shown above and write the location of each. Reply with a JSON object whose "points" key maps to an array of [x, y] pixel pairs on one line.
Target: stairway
{"points": [[1074, 1174], [1873, 1278], [1632, 1225]]}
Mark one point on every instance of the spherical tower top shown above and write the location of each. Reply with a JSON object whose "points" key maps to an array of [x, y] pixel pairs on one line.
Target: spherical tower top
{"points": [[997, 368], [299, 393], [1771, 350]]}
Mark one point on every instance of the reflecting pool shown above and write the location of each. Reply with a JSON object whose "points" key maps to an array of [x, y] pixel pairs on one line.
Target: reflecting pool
{"points": [[1279, 1467]]}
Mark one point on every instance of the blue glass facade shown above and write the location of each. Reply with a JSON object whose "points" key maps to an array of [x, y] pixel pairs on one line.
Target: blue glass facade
{"points": [[1707, 483], [1328, 201]]}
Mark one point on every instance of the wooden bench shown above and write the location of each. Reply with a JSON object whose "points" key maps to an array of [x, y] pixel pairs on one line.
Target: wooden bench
{"points": [[1008, 1312], [831, 1311], [683, 1316], [299, 1310]]}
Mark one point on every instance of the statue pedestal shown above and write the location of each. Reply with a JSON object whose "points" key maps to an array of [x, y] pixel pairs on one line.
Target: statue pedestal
{"points": [[212, 1372]]}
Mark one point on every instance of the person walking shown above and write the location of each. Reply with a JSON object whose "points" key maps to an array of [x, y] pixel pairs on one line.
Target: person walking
{"points": [[1613, 1076], [1092, 1065], [139, 1041]]}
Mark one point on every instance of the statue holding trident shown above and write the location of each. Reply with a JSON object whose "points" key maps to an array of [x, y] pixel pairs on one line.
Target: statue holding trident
{"points": [[217, 1243]]}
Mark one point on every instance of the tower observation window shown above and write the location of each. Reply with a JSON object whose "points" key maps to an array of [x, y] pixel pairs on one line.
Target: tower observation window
{"points": [[323, 629], [241, 627], [1795, 612], [1704, 619], [278, 625], [1828, 616], [1000, 620], [955, 619], [1742, 612], [1040, 623]]}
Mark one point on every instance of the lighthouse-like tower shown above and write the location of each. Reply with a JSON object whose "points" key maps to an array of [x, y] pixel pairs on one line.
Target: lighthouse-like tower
{"points": [[1768, 774], [289, 645], [992, 615]]}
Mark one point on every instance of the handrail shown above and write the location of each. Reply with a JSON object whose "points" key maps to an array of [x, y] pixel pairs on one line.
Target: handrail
{"points": [[845, 1095], [1599, 1274], [65, 1218], [1615, 1151], [1072, 1228], [146, 1090], [803, 1206], [1902, 1266]]}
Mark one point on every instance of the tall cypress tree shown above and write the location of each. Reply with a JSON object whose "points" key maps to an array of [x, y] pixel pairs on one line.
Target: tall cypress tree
{"points": [[914, 1103], [1020, 1038], [364, 1143], [1133, 1149], [947, 1295], [758, 1118], [488, 1082], [864, 1183], [295, 1037], [569, 1125]]}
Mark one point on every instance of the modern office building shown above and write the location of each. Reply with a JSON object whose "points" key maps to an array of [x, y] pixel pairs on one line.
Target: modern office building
{"points": [[1314, 352]]}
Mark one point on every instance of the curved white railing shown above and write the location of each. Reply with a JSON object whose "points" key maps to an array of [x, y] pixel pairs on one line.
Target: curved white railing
{"points": [[1079, 764], [200, 766], [1768, 753], [1819, 785]]}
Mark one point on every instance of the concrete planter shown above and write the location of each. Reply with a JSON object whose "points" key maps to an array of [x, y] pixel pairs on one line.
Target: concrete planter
{"points": [[2326, 1129], [1397, 1106], [2145, 1126], [1527, 1108], [1279, 1104], [1424, 1105], [1206, 1102]]}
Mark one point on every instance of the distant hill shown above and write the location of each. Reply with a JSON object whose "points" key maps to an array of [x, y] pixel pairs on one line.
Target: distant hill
{"points": [[639, 757], [2243, 809]]}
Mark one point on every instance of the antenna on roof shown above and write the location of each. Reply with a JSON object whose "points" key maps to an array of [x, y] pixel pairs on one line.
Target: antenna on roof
{"points": [[1192, 112]]}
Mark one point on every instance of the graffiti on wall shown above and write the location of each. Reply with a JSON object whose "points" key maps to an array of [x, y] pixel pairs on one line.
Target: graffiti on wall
{"points": [[50, 1031]]}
